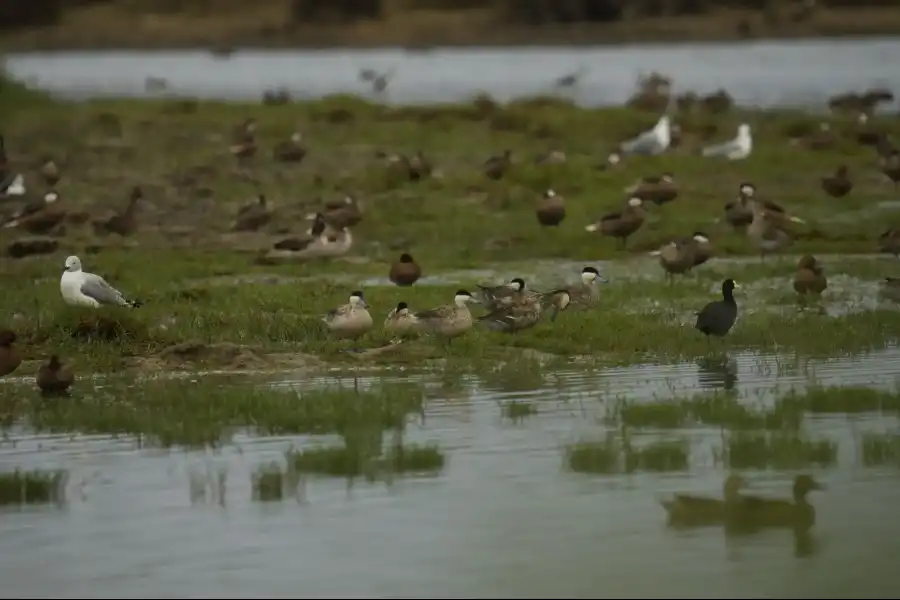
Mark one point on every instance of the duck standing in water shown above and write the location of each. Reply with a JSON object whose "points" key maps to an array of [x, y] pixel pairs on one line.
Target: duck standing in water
{"points": [[350, 320], [54, 378]]}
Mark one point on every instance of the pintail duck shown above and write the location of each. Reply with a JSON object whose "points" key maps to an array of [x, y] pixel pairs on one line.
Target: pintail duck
{"points": [[586, 292], [838, 184], [124, 223], [500, 295], [10, 357], [291, 150], [621, 224], [686, 510], [889, 242], [450, 320], [349, 320], [526, 311], [495, 167], [401, 321], [890, 166], [54, 378], [797, 513], [659, 190], [39, 216], [405, 271], [809, 279], [252, 216], [551, 209], [767, 230], [739, 212], [683, 254]]}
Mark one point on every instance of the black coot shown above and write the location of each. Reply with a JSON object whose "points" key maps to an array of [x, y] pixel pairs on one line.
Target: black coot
{"points": [[717, 318]]}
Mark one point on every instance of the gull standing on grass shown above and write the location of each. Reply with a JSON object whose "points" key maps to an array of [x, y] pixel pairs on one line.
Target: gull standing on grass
{"points": [[736, 149], [652, 142], [86, 289]]}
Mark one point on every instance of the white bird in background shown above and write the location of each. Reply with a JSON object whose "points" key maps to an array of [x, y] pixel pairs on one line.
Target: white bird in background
{"points": [[652, 142], [13, 186], [736, 149]]}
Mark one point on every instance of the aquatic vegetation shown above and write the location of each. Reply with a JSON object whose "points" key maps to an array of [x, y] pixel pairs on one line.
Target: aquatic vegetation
{"points": [[271, 482], [204, 411], [849, 400], [354, 459], [518, 410], [616, 454], [32, 487], [714, 409], [880, 449], [774, 450]]}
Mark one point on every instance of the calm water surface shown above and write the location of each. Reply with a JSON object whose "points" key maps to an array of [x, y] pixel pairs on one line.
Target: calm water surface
{"points": [[504, 518], [802, 73]]}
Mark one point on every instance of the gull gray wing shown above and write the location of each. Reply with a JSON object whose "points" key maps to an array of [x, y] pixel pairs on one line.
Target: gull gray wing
{"points": [[96, 287], [645, 143], [720, 149]]}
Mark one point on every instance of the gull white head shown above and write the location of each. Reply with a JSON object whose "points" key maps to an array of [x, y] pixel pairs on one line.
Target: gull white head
{"points": [[590, 275], [743, 132], [635, 202], [357, 300], [462, 298], [73, 264]]}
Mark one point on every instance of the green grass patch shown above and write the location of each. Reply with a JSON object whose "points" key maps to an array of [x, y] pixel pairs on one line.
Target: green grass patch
{"points": [[617, 454], [880, 449], [32, 487], [780, 451]]}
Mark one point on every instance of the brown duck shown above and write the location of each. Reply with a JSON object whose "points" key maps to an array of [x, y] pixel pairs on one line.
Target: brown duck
{"points": [[405, 271], [496, 167], [621, 224], [838, 184], [341, 214], [253, 216], [797, 513], [50, 172], [739, 213], [124, 223], [54, 378], [890, 166], [889, 242], [419, 167], [551, 209], [291, 150], [809, 278], [676, 257], [39, 216], [658, 190], [768, 229], [10, 357], [315, 233], [244, 140], [685, 510]]}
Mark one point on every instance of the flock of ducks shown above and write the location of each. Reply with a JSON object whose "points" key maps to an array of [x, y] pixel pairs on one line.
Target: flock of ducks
{"points": [[739, 512]]}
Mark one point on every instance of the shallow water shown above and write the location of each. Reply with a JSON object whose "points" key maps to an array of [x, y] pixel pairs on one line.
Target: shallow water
{"points": [[765, 73], [504, 519]]}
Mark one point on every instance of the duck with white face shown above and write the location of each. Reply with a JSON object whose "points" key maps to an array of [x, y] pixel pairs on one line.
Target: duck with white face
{"points": [[449, 320], [350, 320], [501, 295]]}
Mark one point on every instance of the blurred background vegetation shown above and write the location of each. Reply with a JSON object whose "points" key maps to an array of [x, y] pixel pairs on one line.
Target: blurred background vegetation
{"points": [[30, 13]]}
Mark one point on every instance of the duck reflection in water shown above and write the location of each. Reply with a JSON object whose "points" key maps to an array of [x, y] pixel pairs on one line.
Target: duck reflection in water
{"points": [[717, 373]]}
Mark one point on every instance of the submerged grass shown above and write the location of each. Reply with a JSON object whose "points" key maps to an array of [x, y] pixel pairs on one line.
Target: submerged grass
{"points": [[881, 449], [617, 454], [204, 286], [354, 459], [775, 450], [32, 487], [206, 411]]}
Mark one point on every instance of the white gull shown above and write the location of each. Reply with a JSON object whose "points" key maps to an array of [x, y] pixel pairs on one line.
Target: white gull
{"points": [[79, 288], [654, 141], [736, 149]]}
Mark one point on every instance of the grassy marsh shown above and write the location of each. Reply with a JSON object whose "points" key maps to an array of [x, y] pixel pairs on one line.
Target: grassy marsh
{"points": [[203, 286], [32, 487]]}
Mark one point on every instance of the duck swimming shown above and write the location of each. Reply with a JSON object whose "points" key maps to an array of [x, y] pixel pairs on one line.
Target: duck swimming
{"points": [[685, 510]]}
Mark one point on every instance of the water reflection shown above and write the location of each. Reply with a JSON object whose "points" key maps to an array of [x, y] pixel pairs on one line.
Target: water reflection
{"points": [[503, 518], [761, 73]]}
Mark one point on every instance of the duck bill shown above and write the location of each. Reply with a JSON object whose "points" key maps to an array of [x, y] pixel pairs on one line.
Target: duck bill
{"points": [[602, 279]]}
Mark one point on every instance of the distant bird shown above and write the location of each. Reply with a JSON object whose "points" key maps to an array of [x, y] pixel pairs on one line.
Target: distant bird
{"points": [[659, 190], [739, 212], [890, 166], [79, 288], [50, 172], [838, 184], [405, 271], [889, 242], [551, 209], [737, 149], [572, 79], [809, 279], [39, 215], [621, 224], [10, 357], [291, 150], [124, 223], [252, 216], [652, 142], [717, 318], [768, 230], [54, 378], [496, 166]]}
